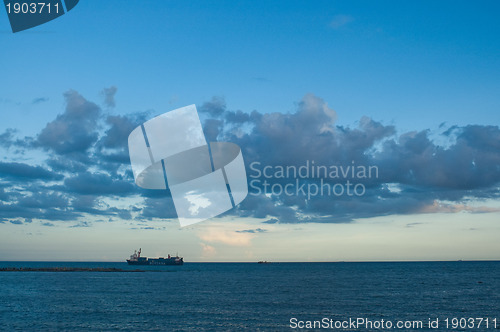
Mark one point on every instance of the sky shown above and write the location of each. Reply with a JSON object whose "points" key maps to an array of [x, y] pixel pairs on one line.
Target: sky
{"points": [[410, 87]]}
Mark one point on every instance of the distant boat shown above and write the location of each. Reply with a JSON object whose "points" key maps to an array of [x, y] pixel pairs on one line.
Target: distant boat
{"points": [[136, 259], [263, 262]]}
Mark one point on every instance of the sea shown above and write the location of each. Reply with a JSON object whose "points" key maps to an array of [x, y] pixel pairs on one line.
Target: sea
{"points": [[344, 296]]}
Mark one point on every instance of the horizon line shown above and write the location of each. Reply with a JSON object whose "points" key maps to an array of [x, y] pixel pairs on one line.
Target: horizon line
{"points": [[274, 262]]}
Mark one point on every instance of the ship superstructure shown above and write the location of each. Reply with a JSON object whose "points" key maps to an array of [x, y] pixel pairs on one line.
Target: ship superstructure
{"points": [[136, 259]]}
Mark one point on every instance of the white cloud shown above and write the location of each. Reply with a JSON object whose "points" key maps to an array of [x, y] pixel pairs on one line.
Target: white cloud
{"points": [[227, 237], [207, 251], [442, 207]]}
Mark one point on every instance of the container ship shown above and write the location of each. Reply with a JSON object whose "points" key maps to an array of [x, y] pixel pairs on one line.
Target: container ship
{"points": [[136, 259]]}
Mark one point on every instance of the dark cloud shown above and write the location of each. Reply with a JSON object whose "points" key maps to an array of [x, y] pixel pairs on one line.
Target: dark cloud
{"points": [[74, 131], [93, 205], [24, 171], [85, 203], [98, 184], [81, 224], [214, 107], [422, 171], [16, 222], [113, 145], [109, 96], [238, 117], [39, 100], [253, 231], [87, 160], [162, 207], [469, 164], [4, 196], [484, 138], [65, 164], [7, 138], [43, 200], [119, 127], [292, 138], [121, 213], [37, 202], [212, 129]]}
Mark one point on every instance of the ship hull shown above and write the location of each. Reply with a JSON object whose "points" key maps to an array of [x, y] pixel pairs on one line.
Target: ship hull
{"points": [[156, 262]]}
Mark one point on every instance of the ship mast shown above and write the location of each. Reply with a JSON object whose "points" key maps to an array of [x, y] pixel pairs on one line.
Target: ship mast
{"points": [[139, 253]]}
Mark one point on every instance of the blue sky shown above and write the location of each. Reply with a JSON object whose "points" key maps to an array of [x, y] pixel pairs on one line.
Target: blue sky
{"points": [[418, 64], [407, 66]]}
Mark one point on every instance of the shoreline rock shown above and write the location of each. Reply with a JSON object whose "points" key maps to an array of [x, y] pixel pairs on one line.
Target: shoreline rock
{"points": [[65, 269]]}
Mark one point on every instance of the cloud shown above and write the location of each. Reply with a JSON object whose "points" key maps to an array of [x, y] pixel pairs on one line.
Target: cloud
{"points": [[93, 205], [74, 131], [230, 238], [16, 222], [109, 96], [207, 251], [87, 159], [215, 107], [212, 129], [161, 207], [87, 166], [339, 21], [6, 138], [441, 207], [35, 201], [39, 100], [111, 150], [81, 224], [424, 171], [468, 164], [98, 184], [112, 147], [412, 224], [62, 164], [253, 231], [42, 200], [24, 171], [4, 196], [119, 127]]}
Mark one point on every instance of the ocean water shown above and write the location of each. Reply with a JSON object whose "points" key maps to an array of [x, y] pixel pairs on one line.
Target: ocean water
{"points": [[249, 296]]}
